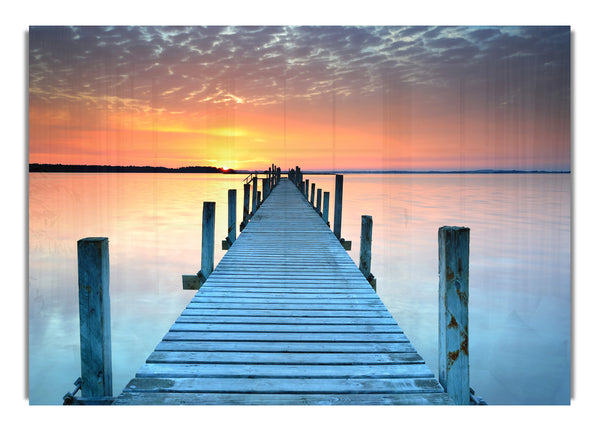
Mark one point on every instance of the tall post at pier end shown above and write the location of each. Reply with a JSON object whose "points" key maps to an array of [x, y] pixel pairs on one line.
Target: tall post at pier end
{"points": [[94, 317], [453, 247]]}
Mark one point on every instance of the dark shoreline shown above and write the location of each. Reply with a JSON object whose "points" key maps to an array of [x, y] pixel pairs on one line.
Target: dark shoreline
{"points": [[37, 167]]}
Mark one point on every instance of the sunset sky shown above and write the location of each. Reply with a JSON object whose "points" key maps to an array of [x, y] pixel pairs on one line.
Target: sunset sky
{"points": [[324, 98]]}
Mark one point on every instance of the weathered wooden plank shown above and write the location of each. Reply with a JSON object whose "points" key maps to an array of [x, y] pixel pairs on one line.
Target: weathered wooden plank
{"points": [[285, 306], [255, 320], [170, 398], [268, 289], [322, 337], [215, 294], [279, 346], [288, 277], [297, 328], [285, 385], [293, 313], [283, 358], [328, 302], [291, 283], [258, 371]]}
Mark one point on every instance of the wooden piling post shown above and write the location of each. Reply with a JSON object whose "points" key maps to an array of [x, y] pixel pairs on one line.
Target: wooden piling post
{"points": [[366, 230], [269, 176], [258, 194], [246, 204], [453, 247], [306, 183], [208, 240], [94, 317], [337, 215], [265, 188], [231, 214], [366, 236], [326, 207], [312, 194], [254, 193], [319, 201]]}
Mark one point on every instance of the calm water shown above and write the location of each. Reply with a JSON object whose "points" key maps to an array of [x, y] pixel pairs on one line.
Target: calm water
{"points": [[519, 267]]}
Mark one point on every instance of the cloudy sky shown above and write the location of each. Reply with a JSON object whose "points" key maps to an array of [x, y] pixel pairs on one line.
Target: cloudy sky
{"points": [[319, 97]]}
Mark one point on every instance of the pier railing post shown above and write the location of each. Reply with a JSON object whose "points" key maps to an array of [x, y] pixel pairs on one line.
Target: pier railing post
{"points": [[306, 183], [254, 193], [265, 188], [366, 235], [231, 216], [453, 246], [337, 215], [94, 317], [270, 176], [326, 207], [208, 240], [312, 194], [246, 209], [319, 201]]}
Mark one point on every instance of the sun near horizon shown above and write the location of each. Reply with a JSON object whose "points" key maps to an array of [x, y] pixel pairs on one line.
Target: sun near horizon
{"points": [[324, 98]]}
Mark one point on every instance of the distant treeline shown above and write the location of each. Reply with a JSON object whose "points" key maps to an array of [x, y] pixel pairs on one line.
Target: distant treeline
{"points": [[42, 167]]}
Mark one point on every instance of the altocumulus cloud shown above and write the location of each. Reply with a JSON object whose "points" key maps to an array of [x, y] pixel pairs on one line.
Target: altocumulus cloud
{"points": [[177, 68]]}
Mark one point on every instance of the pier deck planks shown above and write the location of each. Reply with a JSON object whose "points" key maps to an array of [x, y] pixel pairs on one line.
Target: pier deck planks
{"points": [[285, 318]]}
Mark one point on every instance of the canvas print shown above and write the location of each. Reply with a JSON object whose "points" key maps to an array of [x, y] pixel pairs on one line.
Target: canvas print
{"points": [[299, 215]]}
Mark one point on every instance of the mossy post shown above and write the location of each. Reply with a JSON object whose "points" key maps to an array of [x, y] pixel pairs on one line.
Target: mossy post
{"points": [[453, 246]]}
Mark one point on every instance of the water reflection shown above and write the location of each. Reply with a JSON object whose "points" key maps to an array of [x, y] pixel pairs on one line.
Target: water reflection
{"points": [[519, 280]]}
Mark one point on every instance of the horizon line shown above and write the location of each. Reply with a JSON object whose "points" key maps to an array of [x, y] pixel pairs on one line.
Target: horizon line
{"points": [[57, 166]]}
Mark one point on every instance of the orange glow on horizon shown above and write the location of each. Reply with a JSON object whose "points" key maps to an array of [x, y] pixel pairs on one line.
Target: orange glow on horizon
{"points": [[324, 108]]}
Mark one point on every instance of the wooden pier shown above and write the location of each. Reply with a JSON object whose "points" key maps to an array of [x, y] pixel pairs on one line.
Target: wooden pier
{"points": [[285, 318]]}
